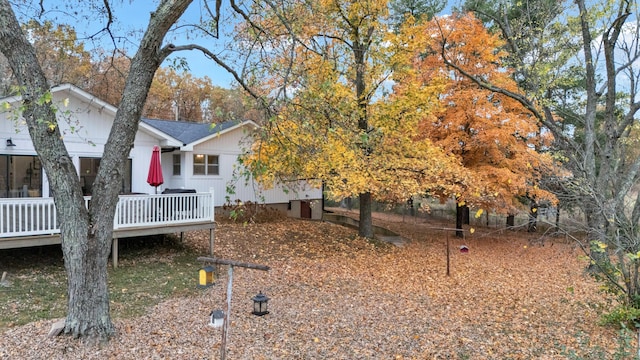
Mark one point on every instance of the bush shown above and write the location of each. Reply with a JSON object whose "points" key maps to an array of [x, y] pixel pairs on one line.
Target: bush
{"points": [[623, 315]]}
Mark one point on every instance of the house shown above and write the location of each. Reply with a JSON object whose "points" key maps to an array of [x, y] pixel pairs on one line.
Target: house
{"points": [[208, 157], [194, 156]]}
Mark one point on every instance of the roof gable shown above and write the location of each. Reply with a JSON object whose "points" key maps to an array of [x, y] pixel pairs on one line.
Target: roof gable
{"points": [[169, 132], [76, 92], [97, 102], [85, 96], [191, 133]]}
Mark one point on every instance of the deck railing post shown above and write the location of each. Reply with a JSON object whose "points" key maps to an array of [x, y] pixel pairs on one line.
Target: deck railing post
{"points": [[116, 217], [212, 205]]}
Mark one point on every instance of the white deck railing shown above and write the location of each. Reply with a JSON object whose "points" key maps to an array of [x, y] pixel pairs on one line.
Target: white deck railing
{"points": [[37, 216]]}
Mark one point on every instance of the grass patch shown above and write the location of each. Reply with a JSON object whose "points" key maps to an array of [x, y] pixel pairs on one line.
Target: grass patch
{"points": [[149, 270]]}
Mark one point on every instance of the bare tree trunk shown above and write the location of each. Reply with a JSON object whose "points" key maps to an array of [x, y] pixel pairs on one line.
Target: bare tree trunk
{"points": [[533, 217], [638, 342], [597, 227], [365, 227], [360, 48], [85, 261], [511, 221], [88, 311], [460, 219], [86, 234]]}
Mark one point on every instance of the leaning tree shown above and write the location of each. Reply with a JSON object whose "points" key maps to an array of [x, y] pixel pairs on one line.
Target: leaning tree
{"points": [[86, 232]]}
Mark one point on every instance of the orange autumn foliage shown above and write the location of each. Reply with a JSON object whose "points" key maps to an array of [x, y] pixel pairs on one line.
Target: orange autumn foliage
{"points": [[492, 135], [336, 123]]}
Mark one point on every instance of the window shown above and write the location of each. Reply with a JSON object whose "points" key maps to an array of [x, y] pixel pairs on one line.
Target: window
{"points": [[20, 176], [206, 165], [212, 165], [177, 166], [89, 170]]}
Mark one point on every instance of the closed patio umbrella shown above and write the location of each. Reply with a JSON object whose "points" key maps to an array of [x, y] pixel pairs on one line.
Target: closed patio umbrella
{"points": [[154, 178]]}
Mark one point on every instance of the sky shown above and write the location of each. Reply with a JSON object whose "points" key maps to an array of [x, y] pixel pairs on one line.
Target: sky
{"points": [[131, 19]]}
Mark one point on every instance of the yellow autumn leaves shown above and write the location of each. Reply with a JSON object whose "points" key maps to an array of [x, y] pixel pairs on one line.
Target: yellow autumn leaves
{"points": [[376, 111]]}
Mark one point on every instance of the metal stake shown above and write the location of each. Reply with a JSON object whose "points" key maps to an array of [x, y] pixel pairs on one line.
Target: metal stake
{"points": [[227, 320]]}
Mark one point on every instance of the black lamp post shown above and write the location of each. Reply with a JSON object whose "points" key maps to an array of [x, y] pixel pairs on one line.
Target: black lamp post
{"points": [[259, 301], [260, 304]]}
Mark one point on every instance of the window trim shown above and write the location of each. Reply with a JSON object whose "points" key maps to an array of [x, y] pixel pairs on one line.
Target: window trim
{"points": [[178, 164], [206, 164]]}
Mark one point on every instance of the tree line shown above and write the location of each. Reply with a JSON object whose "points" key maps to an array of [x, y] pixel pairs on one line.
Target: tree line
{"points": [[175, 93]]}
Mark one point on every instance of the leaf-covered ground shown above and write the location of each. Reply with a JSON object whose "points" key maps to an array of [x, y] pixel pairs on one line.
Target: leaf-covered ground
{"points": [[336, 296]]}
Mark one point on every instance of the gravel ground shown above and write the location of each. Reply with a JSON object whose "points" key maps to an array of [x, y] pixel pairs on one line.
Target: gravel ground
{"points": [[336, 296]]}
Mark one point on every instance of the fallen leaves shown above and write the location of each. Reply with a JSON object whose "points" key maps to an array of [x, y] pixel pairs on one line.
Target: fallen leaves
{"points": [[337, 296]]}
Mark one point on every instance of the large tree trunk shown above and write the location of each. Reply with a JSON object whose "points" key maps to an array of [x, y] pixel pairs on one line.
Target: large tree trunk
{"points": [[85, 259], [365, 227], [533, 217], [462, 217], [360, 48], [86, 234], [597, 229], [511, 221]]}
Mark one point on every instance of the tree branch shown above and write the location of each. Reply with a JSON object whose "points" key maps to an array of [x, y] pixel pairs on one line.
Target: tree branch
{"points": [[219, 61], [215, 16], [523, 100]]}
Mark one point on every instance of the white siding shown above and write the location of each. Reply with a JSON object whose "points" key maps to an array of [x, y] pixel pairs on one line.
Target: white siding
{"points": [[227, 147], [86, 122], [85, 127]]}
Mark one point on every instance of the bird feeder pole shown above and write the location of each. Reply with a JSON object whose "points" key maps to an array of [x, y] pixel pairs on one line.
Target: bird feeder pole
{"points": [[448, 254], [227, 320]]}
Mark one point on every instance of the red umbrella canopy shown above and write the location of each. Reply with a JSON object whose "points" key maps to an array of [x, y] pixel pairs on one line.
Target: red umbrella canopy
{"points": [[155, 169]]}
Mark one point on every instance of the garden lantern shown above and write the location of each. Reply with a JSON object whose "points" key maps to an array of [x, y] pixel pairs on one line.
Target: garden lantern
{"points": [[205, 277], [260, 304], [216, 318]]}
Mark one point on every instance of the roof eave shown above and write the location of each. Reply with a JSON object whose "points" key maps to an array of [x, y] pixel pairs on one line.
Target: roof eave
{"points": [[222, 132], [85, 96], [165, 139], [81, 94]]}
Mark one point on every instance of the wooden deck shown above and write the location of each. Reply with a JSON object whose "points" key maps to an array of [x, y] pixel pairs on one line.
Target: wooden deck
{"points": [[29, 222]]}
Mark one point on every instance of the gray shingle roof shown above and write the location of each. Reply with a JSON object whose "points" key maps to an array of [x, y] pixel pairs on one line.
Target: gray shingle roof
{"points": [[187, 131]]}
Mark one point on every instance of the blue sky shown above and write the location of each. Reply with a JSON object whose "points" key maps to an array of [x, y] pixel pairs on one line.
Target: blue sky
{"points": [[131, 19]]}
